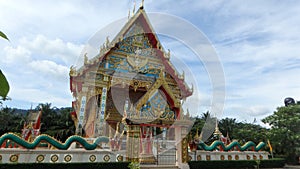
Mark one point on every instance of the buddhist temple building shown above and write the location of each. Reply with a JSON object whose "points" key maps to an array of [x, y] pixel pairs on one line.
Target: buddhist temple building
{"points": [[131, 92]]}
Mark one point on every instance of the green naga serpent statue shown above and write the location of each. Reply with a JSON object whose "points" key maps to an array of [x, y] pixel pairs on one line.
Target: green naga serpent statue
{"points": [[216, 144], [53, 142], [64, 146]]}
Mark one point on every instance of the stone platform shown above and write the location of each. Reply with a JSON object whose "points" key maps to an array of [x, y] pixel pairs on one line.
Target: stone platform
{"points": [[200, 155], [16, 155]]}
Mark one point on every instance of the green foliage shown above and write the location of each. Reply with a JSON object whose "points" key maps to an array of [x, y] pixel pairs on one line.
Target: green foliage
{"points": [[3, 36], [10, 121], [285, 131], [110, 165], [134, 165], [4, 86], [240, 131], [248, 132], [273, 163], [55, 122]]}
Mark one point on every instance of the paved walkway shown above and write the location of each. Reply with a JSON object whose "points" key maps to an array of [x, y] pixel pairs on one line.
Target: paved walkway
{"points": [[292, 166]]}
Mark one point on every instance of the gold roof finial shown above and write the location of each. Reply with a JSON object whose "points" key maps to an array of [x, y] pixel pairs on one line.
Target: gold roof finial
{"points": [[128, 14], [142, 5], [196, 137], [86, 60], [133, 11], [187, 116], [200, 137], [72, 72]]}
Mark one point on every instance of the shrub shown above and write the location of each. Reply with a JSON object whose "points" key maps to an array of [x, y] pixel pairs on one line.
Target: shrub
{"points": [[272, 163], [110, 165]]}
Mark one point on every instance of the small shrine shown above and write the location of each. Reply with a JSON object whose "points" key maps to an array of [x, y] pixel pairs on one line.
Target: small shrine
{"points": [[133, 94], [32, 126]]}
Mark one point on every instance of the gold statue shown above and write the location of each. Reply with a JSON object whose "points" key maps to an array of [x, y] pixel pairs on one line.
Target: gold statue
{"points": [[107, 42], [86, 60], [168, 54], [72, 71]]}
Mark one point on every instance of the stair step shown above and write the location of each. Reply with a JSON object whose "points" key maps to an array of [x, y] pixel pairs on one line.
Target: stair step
{"points": [[158, 167]]}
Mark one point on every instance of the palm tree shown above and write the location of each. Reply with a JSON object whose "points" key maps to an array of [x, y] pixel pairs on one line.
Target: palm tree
{"points": [[227, 125]]}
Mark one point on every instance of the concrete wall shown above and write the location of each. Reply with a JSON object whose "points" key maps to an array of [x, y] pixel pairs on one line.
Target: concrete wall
{"points": [[14, 155], [232, 155]]}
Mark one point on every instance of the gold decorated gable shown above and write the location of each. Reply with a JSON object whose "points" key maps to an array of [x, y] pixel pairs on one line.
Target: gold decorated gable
{"points": [[134, 39]]}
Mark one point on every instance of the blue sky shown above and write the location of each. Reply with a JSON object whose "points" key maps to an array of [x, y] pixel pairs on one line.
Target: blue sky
{"points": [[256, 41]]}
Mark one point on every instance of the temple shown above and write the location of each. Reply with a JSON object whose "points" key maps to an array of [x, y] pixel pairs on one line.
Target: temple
{"points": [[132, 93], [127, 104]]}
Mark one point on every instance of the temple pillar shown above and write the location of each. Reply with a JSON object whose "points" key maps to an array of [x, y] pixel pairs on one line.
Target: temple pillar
{"points": [[181, 146], [82, 99], [133, 143]]}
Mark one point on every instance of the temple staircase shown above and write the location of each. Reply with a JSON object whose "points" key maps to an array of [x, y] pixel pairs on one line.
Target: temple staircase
{"points": [[159, 167]]}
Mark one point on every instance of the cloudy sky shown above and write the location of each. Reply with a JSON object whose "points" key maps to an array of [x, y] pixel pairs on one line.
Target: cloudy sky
{"points": [[257, 43]]}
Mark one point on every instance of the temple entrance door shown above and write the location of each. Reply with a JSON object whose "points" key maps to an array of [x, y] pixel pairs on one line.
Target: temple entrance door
{"points": [[157, 145]]}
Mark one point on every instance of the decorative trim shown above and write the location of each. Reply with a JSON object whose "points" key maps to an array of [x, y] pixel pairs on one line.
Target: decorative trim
{"points": [[236, 157], [199, 158], [82, 111], [103, 101], [119, 158], [92, 158], [14, 158], [190, 158], [40, 158], [208, 157], [254, 157], [248, 157], [68, 158], [54, 158], [106, 158]]}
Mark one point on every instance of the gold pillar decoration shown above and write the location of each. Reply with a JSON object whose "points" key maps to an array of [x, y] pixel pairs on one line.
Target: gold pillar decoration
{"points": [[85, 60], [184, 146], [217, 132], [133, 143]]}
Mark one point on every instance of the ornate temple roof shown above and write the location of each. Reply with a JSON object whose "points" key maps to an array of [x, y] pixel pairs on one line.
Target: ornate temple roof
{"points": [[141, 18]]}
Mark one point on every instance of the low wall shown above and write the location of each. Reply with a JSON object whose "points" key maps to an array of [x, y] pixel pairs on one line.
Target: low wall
{"points": [[15, 155], [200, 155]]}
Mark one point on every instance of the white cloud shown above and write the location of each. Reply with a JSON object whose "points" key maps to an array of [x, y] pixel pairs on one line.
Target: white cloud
{"points": [[15, 55], [56, 49], [49, 68], [258, 46], [38, 70]]}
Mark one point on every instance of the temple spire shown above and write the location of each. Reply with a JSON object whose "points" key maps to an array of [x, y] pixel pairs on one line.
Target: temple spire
{"points": [[142, 5], [133, 11], [128, 14]]}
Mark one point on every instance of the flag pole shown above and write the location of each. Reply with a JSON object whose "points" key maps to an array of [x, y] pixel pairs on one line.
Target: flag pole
{"points": [[271, 149]]}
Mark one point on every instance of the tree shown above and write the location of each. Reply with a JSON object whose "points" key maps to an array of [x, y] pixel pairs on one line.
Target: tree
{"points": [[10, 121], [2, 35], [227, 125], [4, 86], [56, 122], [248, 132], [285, 131]]}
